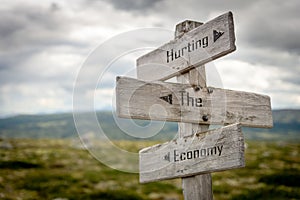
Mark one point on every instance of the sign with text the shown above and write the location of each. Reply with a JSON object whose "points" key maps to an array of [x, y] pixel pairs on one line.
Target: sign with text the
{"points": [[203, 44], [182, 103], [215, 150]]}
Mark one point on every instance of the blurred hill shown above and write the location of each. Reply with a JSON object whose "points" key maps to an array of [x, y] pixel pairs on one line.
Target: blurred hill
{"points": [[286, 127], [63, 126]]}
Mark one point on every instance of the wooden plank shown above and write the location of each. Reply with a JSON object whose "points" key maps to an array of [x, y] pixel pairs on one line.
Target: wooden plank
{"points": [[203, 44], [215, 150], [182, 103]]}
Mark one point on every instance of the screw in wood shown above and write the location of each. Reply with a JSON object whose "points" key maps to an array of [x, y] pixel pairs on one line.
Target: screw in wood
{"points": [[196, 88], [205, 118], [209, 90]]}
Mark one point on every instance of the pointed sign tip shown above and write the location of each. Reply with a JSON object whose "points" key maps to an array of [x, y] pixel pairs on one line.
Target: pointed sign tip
{"points": [[167, 98], [217, 34]]}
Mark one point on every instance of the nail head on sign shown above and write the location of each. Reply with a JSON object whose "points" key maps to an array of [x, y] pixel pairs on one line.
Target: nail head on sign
{"points": [[205, 118]]}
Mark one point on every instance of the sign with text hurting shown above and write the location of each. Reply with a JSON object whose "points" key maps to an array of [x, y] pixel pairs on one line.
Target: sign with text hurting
{"points": [[203, 44]]}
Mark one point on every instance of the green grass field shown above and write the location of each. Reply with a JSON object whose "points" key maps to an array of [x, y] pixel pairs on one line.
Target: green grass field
{"points": [[54, 169]]}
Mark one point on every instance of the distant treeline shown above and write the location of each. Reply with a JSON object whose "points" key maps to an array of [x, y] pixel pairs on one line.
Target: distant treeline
{"points": [[286, 127]]}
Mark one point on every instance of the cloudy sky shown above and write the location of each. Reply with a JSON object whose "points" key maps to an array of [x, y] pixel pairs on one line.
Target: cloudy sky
{"points": [[44, 46]]}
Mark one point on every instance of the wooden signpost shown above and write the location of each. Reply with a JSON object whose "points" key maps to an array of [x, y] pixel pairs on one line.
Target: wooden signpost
{"points": [[215, 150], [181, 103], [196, 152], [196, 47]]}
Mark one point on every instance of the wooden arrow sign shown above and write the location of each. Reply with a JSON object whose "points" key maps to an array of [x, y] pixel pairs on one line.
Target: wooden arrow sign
{"points": [[183, 103], [216, 150], [196, 47]]}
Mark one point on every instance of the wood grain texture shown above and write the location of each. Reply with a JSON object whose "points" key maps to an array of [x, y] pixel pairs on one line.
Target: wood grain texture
{"points": [[144, 100], [215, 150], [194, 48], [198, 187]]}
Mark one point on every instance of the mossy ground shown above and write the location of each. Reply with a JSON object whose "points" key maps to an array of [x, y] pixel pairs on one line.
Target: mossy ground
{"points": [[53, 169]]}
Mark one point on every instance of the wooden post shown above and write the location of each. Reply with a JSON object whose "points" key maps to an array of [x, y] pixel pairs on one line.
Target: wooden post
{"points": [[195, 187]]}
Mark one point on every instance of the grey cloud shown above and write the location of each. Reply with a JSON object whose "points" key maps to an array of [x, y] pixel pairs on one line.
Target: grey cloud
{"points": [[174, 11], [272, 26], [23, 75], [134, 5], [25, 26], [293, 79], [28, 31], [54, 7]]}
